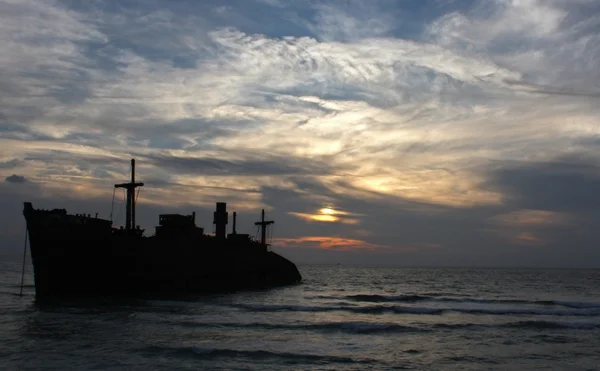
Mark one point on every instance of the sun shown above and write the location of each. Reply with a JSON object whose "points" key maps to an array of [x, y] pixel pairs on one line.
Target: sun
{"points": [[327, 211]]}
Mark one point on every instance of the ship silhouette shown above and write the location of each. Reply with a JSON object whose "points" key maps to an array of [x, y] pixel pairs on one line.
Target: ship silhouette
{"points": [[78, 256]]}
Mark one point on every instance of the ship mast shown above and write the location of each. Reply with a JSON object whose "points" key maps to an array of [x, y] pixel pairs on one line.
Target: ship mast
{"points": [[130, 205], [263, 226]]}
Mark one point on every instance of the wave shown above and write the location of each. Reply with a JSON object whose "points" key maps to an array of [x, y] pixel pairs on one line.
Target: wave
{"points": [[412, 298], [533, 325], [553, 325], [366, 328], [569, 304], [380, 309], [346, 327], [16, 293], [18, 286], [253, 354]]}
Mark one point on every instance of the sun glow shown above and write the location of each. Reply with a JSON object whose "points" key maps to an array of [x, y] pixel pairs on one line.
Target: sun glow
{"points": [[327, 215], [324, 218], [328, 243]]}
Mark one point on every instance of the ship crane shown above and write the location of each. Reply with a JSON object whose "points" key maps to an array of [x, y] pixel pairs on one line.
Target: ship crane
{"points": [[130, 203], [263, 226]]}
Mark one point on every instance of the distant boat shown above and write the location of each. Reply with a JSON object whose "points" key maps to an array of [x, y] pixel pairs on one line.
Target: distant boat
{"points": [[77, 256]]}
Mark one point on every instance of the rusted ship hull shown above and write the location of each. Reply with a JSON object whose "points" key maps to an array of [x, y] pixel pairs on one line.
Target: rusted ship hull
{"points": [[77, 256]]}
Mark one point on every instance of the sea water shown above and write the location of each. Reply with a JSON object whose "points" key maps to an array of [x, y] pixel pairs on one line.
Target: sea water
{"points": [[339, 318]]}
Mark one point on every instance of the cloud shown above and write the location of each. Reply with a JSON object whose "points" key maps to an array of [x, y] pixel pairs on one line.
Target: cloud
{"points": [[528, 239], [534, 37], [524, 218], [357, 20], [15, 179]]}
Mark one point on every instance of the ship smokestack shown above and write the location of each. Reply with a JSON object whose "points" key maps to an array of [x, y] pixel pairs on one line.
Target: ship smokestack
{"points": [[234, 221], [220, 220]]}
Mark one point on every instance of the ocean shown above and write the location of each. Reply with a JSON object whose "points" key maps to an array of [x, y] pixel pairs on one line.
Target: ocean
{"points": [[340, 318]]}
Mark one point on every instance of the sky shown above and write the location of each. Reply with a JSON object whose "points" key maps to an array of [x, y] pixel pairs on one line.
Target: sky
{"points": [[407, 132]]}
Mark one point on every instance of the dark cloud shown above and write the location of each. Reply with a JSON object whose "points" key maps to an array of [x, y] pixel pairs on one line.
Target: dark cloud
{"points": [[71, 93], [15, 179], [580, 16], [174, 134], [267, 165], [552, 90], [162, 183], [568, 184], [82, 160], [159, 134], [11, 164]]}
